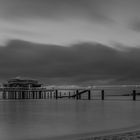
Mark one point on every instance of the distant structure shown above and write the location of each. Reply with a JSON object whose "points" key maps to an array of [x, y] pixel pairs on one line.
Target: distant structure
{"points": [[19, 88]]}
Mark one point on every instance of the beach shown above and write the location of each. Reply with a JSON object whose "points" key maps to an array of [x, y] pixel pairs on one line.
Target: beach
{"points": [[122, 134], [134, 135]]}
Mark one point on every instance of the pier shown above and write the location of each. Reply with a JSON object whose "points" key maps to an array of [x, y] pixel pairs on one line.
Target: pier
{"points": [[18, 89], [97, 93]]}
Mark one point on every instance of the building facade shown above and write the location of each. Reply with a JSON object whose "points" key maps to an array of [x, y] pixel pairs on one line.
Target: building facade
{"points": [[19, 88]]}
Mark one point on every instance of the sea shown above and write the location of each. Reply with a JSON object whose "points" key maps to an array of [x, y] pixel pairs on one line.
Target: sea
{"points": [[63, 119]]}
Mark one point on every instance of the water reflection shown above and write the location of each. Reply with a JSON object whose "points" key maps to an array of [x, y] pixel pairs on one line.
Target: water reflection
{"points": [[35, 119]]}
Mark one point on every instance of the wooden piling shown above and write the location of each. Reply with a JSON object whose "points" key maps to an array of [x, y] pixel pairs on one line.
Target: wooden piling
{"points": [[14, 94], [39, 95], [60, 94], [11, 94], [4, 95], [89, 95], [134, 95], [102, 95], [79, 97], [56, 94], [69, 94], [77, 92], [23, 95], [19, 94], [50, 95], [36, 94], [33, 94], [44, 95], [74, 93]]}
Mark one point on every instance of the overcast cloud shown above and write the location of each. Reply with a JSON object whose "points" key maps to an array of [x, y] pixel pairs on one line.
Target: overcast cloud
{"points": [[84, 63]]}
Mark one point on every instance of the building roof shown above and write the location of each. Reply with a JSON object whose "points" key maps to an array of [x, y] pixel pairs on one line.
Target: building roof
{"points": [[18, 81]]}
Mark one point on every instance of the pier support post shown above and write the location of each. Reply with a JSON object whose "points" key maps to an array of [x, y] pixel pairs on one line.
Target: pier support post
{"points": [[4, 95], [51, 95], [48, 95], [102, 94], [134, 95], [39, 94], [14, 94], [23, 95], [44, 95], [77, 96], [19, 92], [60, 94], [11, 94], [33, 95], [74, 93], [56, 94], [89, 95], [69, 95]]}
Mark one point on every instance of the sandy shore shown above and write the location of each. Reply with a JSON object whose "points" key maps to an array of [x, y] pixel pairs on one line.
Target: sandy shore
{"points": [[121, 134], [129, 133], [135, 135]]}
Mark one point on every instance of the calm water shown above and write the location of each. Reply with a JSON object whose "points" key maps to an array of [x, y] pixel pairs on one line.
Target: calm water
{"points": [[46, 119]]}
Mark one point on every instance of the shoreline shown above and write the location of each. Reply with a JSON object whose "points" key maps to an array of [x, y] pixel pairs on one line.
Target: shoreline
{"points": [[129, 133]]}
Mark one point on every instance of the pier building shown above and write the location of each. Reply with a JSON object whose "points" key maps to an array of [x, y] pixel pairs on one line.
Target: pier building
{"points": [[19, 88]]}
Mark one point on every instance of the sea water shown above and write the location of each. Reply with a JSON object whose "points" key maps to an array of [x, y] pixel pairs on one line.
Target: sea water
{"points": [[47, 119]]}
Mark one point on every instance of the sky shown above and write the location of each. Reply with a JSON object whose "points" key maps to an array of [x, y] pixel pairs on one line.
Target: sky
{"points": [[70, 21], [71, 41]]}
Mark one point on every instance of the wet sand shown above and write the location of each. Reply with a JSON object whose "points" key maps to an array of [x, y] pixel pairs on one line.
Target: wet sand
{"points": [[130, 133], [134, 135]]}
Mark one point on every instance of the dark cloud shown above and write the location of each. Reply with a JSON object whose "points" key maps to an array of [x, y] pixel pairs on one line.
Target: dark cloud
{"points": [[81, 63], [54, 9], [135, 25]]}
